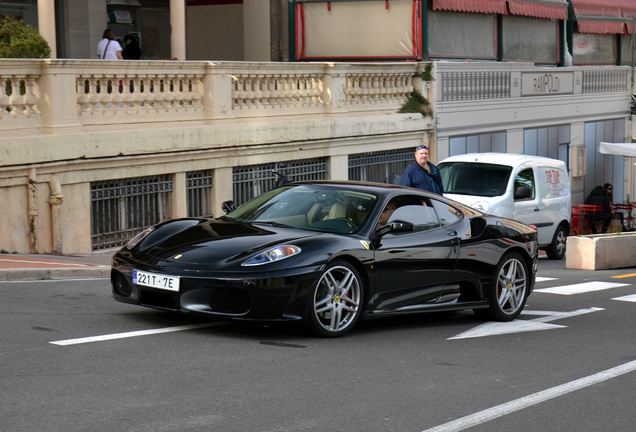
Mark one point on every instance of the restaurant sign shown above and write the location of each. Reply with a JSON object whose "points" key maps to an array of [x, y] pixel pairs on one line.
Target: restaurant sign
{"points": [[548, 83]]}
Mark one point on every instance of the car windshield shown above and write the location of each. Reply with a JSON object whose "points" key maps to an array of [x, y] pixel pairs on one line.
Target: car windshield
{"points": [[323, 208], [472, 178]]}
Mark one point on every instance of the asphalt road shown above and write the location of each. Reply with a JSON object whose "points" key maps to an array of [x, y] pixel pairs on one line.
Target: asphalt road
{"points": [[72, 359]]}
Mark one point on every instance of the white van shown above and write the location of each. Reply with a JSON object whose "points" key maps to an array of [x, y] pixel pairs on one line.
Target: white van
{"points": [[532, 189]]}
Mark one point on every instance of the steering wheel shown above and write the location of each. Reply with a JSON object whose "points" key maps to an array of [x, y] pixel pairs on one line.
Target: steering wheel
{"points": [[351, 224]]}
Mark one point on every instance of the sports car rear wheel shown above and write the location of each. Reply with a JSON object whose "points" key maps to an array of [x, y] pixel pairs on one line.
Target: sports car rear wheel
{"points": [[336, 303], [509, 289]]}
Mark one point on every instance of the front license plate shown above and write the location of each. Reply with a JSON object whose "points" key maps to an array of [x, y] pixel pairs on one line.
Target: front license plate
{"points": [[170, 283]]}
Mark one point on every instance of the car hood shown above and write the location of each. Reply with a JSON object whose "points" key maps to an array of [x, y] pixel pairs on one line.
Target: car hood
{"points": [[214, 240]]}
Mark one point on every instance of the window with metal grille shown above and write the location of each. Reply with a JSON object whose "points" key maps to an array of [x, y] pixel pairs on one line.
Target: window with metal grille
{"points": [[121, 208], [253, 180], [198, 193], [381, 167]]}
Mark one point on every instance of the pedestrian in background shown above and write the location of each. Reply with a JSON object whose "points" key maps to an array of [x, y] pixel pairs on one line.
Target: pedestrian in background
{"points": [[609, 191], [423, 174], [599, 197], [108, 48], [131, 51]]}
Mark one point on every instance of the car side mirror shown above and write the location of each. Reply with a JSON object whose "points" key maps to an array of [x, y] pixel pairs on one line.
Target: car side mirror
{"points": [[396, 226], [228, 206]]}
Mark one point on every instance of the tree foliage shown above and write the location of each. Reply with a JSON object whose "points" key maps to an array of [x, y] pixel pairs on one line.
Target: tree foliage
{"points": [[21, 41]]}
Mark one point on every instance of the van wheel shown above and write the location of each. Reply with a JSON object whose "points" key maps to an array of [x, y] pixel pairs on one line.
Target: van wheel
{"points": [[556, 250]]}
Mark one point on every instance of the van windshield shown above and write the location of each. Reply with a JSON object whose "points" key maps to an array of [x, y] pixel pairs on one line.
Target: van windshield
{"points": [[473, 178]]}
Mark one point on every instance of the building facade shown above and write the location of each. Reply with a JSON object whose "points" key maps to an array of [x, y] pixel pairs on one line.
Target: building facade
{"points": [[93, 151]]}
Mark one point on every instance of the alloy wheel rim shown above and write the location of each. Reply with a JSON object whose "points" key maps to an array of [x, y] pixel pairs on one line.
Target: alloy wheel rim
{"points": [[561, 239], [511, 286], [337, 299]]}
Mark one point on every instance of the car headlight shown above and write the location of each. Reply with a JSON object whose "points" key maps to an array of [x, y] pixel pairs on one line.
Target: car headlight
{"points": [[139, 237], [482, 206], [271, 255]]}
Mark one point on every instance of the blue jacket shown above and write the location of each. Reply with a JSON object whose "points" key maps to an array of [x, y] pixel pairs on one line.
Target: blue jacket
{"points": [[414, 176]]}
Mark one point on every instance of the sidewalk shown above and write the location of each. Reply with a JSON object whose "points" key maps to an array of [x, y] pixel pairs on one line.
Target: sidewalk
{"points": [[14, 267]]}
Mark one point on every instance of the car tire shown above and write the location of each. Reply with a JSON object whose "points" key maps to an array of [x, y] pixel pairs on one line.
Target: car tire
{"points": [[508, 290], [336, 301], [556, 250]]}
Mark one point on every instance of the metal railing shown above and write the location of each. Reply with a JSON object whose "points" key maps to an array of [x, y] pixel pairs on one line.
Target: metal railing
{"points": [[381, 167], [253, 180], [198, 193], [121, 208]]}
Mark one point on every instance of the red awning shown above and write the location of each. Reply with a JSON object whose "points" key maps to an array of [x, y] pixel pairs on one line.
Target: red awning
{"points": [[553, 9], [478, 6], [608, 8], [611, 10], [628, 8], [603, 27]]}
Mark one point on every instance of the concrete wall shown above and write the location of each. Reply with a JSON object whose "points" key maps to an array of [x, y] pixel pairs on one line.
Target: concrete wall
{"points": [[86, 121], [213, 152]]}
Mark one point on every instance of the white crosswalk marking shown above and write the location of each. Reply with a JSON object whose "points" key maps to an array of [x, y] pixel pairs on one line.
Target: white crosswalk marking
{"points": [[580, 288], [544, 279], [627, 298], [518, 326]]}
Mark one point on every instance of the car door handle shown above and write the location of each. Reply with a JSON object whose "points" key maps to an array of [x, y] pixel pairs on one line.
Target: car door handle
{"points": [[451, 233], [537, 209]]}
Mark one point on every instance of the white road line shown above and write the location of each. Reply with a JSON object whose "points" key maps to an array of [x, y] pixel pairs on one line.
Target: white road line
{"points": [[495, 328], [533, 399], [133, 334], [627, 298], [580, 288], [544, 279]]}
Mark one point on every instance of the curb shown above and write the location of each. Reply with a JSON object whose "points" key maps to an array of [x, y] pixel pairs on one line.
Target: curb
{"points": [[48, 273]]}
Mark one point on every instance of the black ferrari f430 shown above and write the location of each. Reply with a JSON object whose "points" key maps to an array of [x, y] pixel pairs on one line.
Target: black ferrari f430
{"points": [[327, 254]]}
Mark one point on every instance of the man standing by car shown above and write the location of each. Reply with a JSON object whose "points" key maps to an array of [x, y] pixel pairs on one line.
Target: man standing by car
{"points": [[422, 174]]}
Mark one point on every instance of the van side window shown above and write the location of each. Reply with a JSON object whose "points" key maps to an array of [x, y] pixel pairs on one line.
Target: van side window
{"points": [[525, 185]]}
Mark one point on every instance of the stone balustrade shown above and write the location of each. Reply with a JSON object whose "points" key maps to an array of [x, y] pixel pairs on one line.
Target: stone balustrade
{"points": [[60, 95]]}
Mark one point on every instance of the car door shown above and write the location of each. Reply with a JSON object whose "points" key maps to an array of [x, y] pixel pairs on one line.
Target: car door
{"points": [[530, 209], [411, 268]]}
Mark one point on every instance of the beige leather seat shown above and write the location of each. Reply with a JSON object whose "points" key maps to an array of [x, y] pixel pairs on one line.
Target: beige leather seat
{"points": [[338, 210], [314, 214]]}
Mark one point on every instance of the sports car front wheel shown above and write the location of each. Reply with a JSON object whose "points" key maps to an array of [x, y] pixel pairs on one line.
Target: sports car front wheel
{"points": [[509, 289], [336, 303]]}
